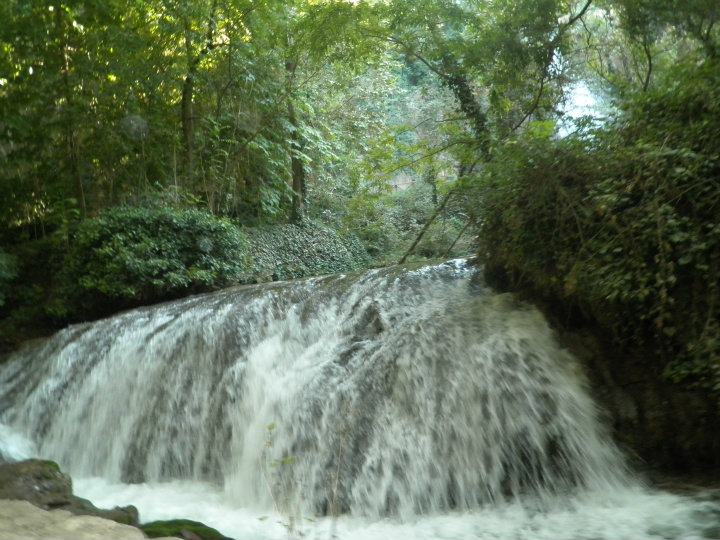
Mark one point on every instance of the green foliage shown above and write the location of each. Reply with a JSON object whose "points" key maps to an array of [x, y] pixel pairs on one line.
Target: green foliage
{"points": [[622, 221], [379, 108], [129, 256], [388, 224], [176, 527], [693, 19], [37, 266], [133, 255], [628, 43], [91, 94]]}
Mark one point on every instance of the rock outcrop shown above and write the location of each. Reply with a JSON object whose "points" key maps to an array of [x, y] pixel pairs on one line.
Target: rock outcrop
{"points": [[36, 501], [20, 520], [667, 427], [44, 485]]}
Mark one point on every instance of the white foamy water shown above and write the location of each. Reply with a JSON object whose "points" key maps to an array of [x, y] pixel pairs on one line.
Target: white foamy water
{"points": [[413, 403], [628, 514], [14, 446]]}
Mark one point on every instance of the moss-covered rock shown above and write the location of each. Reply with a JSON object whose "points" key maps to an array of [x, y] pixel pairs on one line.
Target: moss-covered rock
{"points": [[182, 528], [44, 485], [37, 481]]}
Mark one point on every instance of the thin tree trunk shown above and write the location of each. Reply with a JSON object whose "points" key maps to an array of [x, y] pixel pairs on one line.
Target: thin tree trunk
{"points": [[187, 109], [187, 114], [188, 124], [649, 71], [297, 167], [71, 142], [429, 222]]}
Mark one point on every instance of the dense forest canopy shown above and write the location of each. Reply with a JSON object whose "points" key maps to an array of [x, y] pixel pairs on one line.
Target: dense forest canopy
{"points": [[232, 105], [144, 144], [241, 107]]}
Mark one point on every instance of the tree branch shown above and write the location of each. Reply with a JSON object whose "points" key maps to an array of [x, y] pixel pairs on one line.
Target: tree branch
{"points": [[648, 73], [411, 52], [427, 225], [552, 46], [580, 14], [429, 154]]}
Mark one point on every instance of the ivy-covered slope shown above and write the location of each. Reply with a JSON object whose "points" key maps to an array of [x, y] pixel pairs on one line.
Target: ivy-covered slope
{"points": [[290, 251]]}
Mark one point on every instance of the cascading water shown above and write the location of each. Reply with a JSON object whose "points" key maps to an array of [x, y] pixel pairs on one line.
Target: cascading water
{"points": [[414, 403]]}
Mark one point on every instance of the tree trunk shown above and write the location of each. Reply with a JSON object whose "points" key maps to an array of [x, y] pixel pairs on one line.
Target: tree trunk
{"points": [[297, 167], [71, 142], [297, 145], [460, 86], [187, 114], [430, 177], [188, 124], [187, 109]]}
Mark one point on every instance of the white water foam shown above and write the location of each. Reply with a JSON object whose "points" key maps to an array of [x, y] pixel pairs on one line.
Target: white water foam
{"points": [[14, 446], [628, 514]]}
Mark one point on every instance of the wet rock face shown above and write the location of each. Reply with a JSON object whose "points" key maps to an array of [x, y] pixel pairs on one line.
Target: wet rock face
{"points": [[667, 427], [44, 485], [664, 427]]}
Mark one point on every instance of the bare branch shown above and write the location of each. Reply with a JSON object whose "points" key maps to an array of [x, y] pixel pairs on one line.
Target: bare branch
{"points": [[552, 46], [434, 152], [429, 222], [579, 15], [412, 52]]}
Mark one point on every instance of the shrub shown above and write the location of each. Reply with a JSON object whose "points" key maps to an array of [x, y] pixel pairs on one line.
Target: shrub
{"points": [[369, 217], [131, 255], [622, 221]]}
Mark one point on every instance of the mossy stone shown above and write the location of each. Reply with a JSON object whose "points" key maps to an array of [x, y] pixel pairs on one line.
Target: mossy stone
{"points": [[179, 529]]}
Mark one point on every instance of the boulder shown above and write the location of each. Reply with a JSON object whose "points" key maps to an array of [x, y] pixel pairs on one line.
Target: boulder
{"points": [[20, 520], [39, 482], [44, 485]]}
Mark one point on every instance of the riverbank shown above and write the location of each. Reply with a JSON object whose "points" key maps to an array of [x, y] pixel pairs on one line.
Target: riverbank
{"points": [[171, 254], [37, 501]]}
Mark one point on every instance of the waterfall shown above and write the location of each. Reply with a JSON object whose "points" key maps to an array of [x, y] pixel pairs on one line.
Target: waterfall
{"points": [[399, 392]]}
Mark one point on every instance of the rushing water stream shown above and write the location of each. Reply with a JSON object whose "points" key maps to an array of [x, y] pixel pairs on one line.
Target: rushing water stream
{"points": [[411, 403]]}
